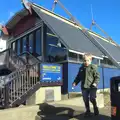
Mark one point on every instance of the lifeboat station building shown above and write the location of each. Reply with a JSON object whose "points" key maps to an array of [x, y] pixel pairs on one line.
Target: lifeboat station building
{"points": [[42, 55]]}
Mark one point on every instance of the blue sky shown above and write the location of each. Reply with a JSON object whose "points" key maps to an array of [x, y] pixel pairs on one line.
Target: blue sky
{"points": [[106, 12]]}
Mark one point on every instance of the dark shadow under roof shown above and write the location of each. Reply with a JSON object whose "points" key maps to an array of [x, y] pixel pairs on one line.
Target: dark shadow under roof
{"points": [[70, 35], [113, 50]]}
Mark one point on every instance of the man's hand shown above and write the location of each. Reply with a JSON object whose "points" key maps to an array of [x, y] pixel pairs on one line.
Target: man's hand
{"points": [[94, 84], [73, 84]]}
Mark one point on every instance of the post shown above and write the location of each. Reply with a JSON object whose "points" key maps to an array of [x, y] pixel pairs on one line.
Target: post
{"points": [[103, 79], [6, 96]]}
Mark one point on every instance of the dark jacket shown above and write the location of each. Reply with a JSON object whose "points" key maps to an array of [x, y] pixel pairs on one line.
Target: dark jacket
{"points": [[87, 76]]}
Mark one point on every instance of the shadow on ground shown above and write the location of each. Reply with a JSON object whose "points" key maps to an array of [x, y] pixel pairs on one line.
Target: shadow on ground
{"points": [[50, 112]]}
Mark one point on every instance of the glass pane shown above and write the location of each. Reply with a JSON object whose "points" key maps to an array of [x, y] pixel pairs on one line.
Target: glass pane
{"points": [[72, 56], [38, 42], [18, 47], [24, 44], [80, 58], [13, 46], [55, 50], [95, 61], [31, 43]]}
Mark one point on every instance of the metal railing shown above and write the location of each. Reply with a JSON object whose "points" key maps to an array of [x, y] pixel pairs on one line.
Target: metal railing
{"points": [[20, 85], [10, 60], [19, 82]]}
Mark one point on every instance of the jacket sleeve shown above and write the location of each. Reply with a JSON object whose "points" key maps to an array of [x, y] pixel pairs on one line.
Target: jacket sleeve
{"points": [[77, 78], [96, 75]]}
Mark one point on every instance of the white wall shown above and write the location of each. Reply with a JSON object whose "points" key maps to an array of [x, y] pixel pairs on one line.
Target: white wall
{"points": [[3, 45]]}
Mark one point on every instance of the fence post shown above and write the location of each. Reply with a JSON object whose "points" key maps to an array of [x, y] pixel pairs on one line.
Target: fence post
{"points": [[103, 78], [6, 94]]}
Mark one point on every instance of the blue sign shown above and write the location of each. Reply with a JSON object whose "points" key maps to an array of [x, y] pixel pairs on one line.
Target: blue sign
{"points": [[51, 72]]}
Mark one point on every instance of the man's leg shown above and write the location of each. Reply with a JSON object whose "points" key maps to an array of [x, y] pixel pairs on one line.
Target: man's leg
{"points": [[85, 93], [93, 100]]}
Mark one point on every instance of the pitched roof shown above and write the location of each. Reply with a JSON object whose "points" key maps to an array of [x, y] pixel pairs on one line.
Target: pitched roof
{"points": [[68, 33], [113, 49]]}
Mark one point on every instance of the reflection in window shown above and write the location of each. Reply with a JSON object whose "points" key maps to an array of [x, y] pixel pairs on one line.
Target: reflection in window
{"points": [[73, 56], [80, 58], [95, 61], [18, 47], [31, 43], [38, 42], [13, 46], [106, 61], [55, 50], [24, 42]]}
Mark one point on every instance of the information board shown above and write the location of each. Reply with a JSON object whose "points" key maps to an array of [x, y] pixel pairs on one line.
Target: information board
{"points": [[51, 72]]}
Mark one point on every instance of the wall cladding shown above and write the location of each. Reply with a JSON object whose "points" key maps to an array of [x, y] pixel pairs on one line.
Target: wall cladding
{"points": [[108, 73], [105, 75]]}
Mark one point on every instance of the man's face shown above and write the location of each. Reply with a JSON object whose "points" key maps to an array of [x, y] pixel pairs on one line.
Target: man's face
{"points": [[87, 61]]}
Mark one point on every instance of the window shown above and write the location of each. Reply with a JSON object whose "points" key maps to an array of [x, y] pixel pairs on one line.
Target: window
{"points": [[24, 43], [107, 62], [13, 46], [95, 61], [18, 46], [31, 43], [55, 50], [38, 42], [73, 56], [80, 58]]}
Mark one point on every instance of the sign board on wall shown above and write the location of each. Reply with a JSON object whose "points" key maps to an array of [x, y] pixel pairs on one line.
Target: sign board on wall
{"points": [[51, 73]]}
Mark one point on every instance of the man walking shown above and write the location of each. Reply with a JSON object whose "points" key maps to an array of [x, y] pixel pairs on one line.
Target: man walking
{"points": [[89, 78]]}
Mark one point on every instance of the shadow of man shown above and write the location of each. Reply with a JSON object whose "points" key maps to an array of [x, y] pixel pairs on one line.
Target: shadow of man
{"points": [[54, 113], [50, 112]]}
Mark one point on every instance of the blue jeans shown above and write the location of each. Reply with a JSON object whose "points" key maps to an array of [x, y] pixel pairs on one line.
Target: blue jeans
{"points": [[89, 94]]}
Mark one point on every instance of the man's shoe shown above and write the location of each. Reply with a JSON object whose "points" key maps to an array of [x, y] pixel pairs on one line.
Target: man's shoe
{"points": [[87, 114], [96, 111]]}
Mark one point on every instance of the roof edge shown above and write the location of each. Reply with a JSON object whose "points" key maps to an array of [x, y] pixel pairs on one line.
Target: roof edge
{"points": [[13, 17]]}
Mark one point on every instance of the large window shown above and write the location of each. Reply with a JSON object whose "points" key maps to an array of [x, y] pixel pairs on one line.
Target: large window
{"points": [[95, 61], [73, 56], [18, 47], [55, 50], [30, 43], [13, 46], [38, 42], [24, 42], [106, 62]]}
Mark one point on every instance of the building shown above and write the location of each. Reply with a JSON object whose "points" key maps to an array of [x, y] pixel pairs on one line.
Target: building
{"points": [[51, 38]]}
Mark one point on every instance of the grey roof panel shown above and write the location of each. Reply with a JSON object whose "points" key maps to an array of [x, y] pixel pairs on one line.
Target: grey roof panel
{"points": [[72, 36], [113, 50]]}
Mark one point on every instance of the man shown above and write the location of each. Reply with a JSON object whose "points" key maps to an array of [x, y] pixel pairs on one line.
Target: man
{"points": [[89, 78]]}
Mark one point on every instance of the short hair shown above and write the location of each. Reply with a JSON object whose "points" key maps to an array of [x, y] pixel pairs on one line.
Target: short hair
{"points": [[88, 55]]}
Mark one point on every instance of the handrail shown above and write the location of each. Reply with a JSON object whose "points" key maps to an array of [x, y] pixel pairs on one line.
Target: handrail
{"points": [[24, 70], [28, 54]]}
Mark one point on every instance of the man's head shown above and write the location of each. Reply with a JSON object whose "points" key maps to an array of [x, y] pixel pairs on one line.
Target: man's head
{"points": [[87, 59]]}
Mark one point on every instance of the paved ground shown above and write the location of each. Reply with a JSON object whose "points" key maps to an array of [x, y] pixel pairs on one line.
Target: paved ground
{"points": [[53, 111], [62, 112]]}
